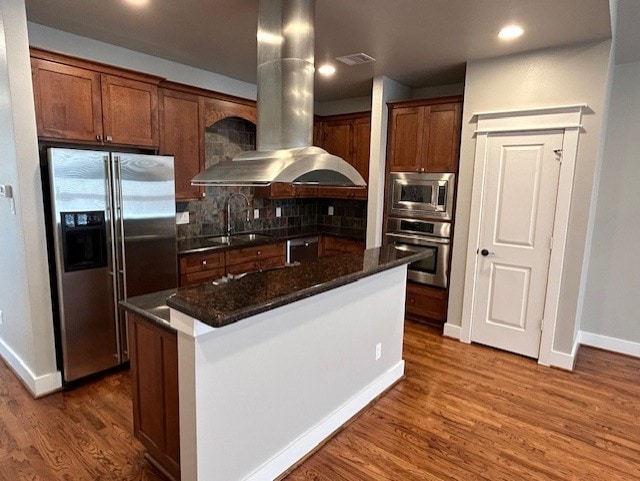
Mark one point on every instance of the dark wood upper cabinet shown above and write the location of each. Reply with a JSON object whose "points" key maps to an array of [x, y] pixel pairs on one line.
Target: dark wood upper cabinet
{"points": [[346, 136], [67, 100], [129, 111], [424, 135], [180, 137], [362, 145], [83, 101]]}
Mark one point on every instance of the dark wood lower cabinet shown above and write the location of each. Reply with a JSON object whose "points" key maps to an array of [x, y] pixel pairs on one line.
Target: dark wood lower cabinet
{"points": [[153, 352], [426, 304]]}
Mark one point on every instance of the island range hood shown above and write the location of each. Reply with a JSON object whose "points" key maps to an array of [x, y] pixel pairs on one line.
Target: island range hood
{"points": [[285, 109]]}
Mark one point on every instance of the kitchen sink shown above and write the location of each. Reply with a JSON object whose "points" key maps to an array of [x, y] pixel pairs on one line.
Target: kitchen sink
{"points": [[237, 238], [250, 237]]}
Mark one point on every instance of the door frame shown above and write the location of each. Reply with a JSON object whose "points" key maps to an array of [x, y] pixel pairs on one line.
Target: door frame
{"points": [[567, 118]]}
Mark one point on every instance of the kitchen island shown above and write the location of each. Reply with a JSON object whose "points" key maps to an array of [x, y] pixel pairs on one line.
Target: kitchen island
{"points": [[272, 363]]}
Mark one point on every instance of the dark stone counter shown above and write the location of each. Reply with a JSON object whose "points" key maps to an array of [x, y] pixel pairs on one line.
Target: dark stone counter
{"points": [[221, 303], [204, 243]]}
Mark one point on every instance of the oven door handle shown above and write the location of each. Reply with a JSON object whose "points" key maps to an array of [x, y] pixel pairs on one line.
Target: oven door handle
{"points": [[417, 239]]}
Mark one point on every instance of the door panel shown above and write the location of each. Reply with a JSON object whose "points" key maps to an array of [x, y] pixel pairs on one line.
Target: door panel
{"points": [[519, 199], [519, 173], [509, 288]]}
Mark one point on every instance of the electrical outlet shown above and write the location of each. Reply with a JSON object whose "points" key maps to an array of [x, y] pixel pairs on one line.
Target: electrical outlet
{"points": [[256, 213], [182, 217], [330, 210], [1, 317], [278, 211], [378, 351]]}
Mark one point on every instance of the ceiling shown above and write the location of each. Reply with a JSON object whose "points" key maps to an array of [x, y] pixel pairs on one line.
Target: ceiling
{"points": [[419, 43]]}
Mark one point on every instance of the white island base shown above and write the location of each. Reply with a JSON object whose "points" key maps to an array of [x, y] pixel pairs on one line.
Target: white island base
{"points": [[258, 395]]}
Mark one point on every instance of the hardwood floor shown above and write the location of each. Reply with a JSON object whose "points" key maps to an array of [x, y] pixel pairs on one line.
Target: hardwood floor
{"points": [[84, 434], [462, 413]]}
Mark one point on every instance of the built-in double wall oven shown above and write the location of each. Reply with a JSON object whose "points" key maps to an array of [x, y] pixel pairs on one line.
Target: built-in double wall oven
{"points": [[419, 211]]}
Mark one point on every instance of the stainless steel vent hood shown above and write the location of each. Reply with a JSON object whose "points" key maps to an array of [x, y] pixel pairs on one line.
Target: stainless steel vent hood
{"points": [[285, 108]]}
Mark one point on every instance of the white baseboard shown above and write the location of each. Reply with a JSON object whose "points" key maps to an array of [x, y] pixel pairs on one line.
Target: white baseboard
{"points": [[563, 360], [613, 344], [451, 330], [38, 385], [312, 438]]}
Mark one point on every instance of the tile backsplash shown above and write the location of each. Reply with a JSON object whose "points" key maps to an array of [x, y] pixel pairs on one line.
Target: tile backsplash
{"points": [[207, 216]]}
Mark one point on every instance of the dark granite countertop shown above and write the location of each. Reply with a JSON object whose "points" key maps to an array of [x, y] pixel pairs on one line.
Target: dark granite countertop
{"points": [[152, 306], [220, 304], [204, 243]]}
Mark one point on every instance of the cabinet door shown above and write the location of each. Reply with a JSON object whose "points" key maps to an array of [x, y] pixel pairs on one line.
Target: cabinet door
{"points": [[361, 146], [130, 111], [441, 152], [67, 101], [180, 137], [154, 376], [408, 130], [337, 138], [426, 303]]}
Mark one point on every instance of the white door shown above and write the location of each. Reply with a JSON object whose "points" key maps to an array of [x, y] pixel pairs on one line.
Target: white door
{"points": [[516, 228]]}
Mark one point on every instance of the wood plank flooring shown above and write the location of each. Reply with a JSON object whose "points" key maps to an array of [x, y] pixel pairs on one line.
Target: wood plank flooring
{"points": [[463, 412]]}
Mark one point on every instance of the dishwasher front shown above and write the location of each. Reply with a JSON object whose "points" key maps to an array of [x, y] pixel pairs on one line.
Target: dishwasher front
{"points": [[301, 250]]}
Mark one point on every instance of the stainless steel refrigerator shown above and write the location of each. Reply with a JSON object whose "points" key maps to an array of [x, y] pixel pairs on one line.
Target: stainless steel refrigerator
{"points": [[114, 237]]}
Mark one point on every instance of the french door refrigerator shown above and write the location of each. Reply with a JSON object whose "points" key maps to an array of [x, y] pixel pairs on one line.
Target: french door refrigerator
{"points": [[114, 237]]}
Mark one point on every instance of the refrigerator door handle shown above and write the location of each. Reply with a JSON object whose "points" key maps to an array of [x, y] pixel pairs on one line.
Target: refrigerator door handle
{"points": [[122, 264], [112, 211]]}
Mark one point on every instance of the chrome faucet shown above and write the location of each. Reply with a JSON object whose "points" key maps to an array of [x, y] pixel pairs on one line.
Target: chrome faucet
{"points": [[247, 208]]}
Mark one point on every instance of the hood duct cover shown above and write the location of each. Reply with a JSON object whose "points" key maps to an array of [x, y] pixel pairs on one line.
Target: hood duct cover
{"points": [[285, 108]]}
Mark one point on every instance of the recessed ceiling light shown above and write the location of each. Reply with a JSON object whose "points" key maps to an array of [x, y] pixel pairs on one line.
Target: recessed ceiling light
{"points": [[327, 70], [510, 31], [137, 3]]}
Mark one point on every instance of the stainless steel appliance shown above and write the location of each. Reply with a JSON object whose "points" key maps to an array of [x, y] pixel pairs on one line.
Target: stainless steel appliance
{"points": [[114, 236], [286, 36], [300, 250], [418, 236], [420, 195]]}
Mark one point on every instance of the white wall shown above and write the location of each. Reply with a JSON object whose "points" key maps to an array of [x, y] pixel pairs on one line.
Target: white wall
{"points": [[613, 279], [346, 106], [384, 90], [438, 91], [26, 335], [62, 42], [571, 75]]}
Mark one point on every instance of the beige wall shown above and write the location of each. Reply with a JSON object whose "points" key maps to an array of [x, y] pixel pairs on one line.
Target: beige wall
{"points": [[546, 78], [613, 280], [26, 335]]}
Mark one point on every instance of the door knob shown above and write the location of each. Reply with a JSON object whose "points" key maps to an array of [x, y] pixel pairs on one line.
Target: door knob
{"points": [[486, 253]]}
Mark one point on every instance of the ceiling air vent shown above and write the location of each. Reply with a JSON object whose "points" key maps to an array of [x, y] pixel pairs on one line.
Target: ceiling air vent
{"points": [[356, 59]]}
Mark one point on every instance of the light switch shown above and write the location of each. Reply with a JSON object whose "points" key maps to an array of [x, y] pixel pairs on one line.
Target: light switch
{"points": [[256, 213], [182, 217], [330, 210], [278, 211]]}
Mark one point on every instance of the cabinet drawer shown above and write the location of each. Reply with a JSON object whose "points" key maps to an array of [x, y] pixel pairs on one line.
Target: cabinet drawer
{"points": [[247, 254], [201, 262], [425, 301], [202, 276], [256, 265]]}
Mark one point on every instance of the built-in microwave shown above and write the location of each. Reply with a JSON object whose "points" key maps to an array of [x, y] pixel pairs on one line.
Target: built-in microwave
{"points": [[420, 195]]}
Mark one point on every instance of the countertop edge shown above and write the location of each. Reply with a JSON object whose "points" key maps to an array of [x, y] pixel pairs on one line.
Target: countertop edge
{"points": [[221, 321]]}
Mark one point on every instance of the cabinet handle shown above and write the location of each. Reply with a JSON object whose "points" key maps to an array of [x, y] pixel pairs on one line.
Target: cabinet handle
{"points": [[99, 138], [204, 194], [259, 253], [204, 262], [109, 138]]}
